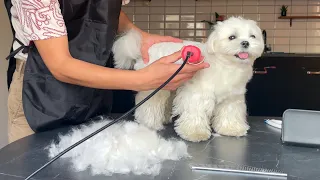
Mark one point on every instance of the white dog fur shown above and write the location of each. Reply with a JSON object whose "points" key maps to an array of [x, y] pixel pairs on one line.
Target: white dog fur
{"points": [[122, 148], [214, 97]]}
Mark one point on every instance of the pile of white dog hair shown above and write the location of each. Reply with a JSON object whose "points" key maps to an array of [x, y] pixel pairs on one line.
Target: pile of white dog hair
{"points": [[214, 100], [123, 148]]}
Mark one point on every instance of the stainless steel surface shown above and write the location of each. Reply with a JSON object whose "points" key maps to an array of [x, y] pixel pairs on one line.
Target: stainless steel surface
{"points": [[238, 169], [261, 148]]}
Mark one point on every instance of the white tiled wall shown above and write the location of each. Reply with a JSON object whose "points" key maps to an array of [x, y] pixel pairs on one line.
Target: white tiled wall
{"points": [[182, 18]]}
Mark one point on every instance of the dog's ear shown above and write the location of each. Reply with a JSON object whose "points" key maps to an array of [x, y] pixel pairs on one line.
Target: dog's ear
{"points": [[211, 42], [213, 37]]}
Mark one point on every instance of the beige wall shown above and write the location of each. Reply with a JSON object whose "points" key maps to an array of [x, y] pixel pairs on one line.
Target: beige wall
{"points": [[5, 43], [181, 18]]}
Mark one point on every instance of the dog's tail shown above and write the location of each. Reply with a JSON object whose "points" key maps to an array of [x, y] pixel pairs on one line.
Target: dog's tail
{"points": [[126, 49]]}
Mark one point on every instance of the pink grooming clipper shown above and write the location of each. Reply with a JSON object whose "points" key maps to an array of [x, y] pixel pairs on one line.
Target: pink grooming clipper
{"points": [[195, 57]]}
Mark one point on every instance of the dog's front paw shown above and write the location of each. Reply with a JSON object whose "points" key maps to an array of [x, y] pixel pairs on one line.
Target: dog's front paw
{"points": [[192, 132], [230, 118], [236, 129]]}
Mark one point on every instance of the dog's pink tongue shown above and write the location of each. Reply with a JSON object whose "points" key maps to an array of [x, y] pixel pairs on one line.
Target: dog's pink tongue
{"points": [[243, 55]]}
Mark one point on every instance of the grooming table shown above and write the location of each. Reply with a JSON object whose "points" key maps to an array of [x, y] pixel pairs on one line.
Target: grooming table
{"points": [[261, 148]]}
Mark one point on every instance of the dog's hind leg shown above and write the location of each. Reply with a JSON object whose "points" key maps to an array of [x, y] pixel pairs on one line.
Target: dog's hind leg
{"points": [[230, 117], [156, 111]]}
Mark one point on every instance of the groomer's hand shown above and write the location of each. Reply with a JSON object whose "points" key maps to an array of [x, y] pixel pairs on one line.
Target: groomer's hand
{"points": [[160, 71], [150, 39]]}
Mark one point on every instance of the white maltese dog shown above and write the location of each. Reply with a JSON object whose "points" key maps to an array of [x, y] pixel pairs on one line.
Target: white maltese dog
{"points": [[214, 97]]}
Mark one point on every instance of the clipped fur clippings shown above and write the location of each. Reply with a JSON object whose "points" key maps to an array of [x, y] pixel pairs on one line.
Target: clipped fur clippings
{"points": [[123, 148]]}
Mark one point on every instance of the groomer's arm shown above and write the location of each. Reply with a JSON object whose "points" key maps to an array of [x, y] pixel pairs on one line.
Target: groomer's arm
{"points": [[125, 23], [56, 56]]}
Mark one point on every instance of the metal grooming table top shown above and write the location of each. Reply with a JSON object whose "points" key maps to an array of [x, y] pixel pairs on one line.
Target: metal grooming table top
{"points": [[261, 148]]}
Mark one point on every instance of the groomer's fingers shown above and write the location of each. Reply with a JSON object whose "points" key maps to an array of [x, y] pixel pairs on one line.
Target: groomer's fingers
{"points": [[172, 57], [187, 68], [194, 68], [145, 54], [181, 77]]}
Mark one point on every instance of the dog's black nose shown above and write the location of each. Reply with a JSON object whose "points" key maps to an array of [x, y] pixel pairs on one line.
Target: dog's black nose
{"points": [[245, 44]]}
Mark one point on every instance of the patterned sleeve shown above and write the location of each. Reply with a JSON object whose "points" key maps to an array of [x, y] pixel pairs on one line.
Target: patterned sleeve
{"points": [[41, 19]]}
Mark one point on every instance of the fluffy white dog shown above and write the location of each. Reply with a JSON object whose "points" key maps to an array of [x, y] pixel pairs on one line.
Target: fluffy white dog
{"points": [[214, 96]]}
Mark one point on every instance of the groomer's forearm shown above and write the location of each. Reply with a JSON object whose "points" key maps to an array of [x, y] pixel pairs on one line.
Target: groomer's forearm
{"points": [[125, 23], [55, 54], [81, 73]]}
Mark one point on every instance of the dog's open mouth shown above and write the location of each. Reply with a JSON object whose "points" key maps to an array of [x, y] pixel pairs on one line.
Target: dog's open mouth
{"points": [[242, 55]]}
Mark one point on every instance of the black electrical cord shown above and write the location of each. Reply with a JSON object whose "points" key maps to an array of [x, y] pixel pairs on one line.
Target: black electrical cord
{"points": [[189, 54]]}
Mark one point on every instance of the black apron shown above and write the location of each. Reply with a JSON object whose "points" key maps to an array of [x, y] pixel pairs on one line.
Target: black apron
{"points": [[48, 103]]}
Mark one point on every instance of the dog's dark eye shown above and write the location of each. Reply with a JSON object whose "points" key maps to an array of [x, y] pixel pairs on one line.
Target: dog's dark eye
{"points": [[232, 37], [253, 36]]}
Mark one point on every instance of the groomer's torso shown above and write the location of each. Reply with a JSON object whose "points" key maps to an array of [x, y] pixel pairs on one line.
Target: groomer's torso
{"points": [[91, 26]]}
